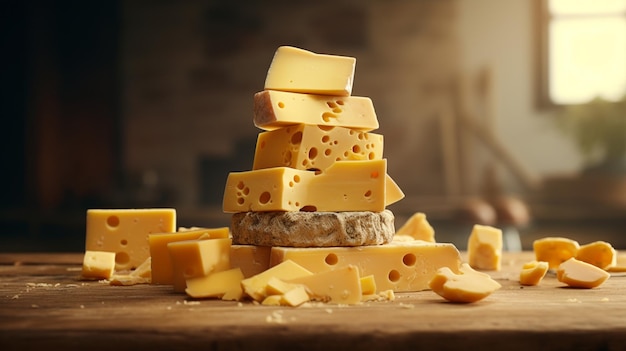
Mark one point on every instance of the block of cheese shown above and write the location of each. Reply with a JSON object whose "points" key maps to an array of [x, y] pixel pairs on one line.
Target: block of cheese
{"points": [[484, 248], [126, 231], [298, 70], [198, 258], [98, 264], [162, 272], [311, 147], [344, 186], [312, 229], [579, 274], [418, 228], [255, 286], [251, 259], [226, 283], [397, 266], [277, 109], [533, 272], [599, 253], [339, 286], [555, 250], [464, 287]]}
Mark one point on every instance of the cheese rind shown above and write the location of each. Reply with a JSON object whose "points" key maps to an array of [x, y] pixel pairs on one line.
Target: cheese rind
{"points": [[555, 250], [581, 274], [277, 109], [466, 287], [298, 70], [312, 147], [484, 248], [398, 266], [418, 228], [125, 232], [533, 272], [98, 264], [598, 253], [198, 258], [339, 286]]}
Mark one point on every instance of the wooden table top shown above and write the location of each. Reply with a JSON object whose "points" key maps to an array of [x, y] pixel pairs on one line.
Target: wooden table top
{"points": [[44, 306]]}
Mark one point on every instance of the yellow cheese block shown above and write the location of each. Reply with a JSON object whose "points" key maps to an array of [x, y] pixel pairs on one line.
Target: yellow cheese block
{"points": [[98, 264], [223, 284], [533, 272], [251, 259], [345, 186], [555, 250], [198, 258], [398, 266], [126, 231], [298, 70], [484, 248], [339, 286], [599, 253], [579, 274], [465, 287], [277, 109], [256, 286], [295, 297], [418, 228], [310, 147], [162, 272]]}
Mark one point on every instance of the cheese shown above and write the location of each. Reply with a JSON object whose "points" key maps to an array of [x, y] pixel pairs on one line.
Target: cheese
{"points": [[98, 264], [256, 286], [308, 229], [162, 272], [295, 297], [125, 232], [251, 259], [144, 270], [398, 266], [555, 250], [418, 228], [298, 70], [466, 287], [579, 274], [224, 284], [272, 300], [533, 272], [345, 186], [484, 248], [311, 147], [277, 109], [598, 253], [368, 285], [339, 286], [197, 258]]}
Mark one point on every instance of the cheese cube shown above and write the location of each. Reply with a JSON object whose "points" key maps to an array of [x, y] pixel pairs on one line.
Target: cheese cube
{"points": [[98, 264], [256, 286], [368, 285], [298, 70], [125, 232], [278, 109], [484, 248], [224, 284], [598, 253], [533, 272], [198, 258], [418, 228], [295, 296], [465, 287], [311, 147], [555, 250], [579, 274], [339, 286]]}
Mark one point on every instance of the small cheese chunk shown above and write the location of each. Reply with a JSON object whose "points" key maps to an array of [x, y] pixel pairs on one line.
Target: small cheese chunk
{"points": [[277, 286], [256, 286], [533, 272], [555, 250], [315, 147], [484, 248], [252, 259], [98, 264], [277, 109], [368, 285], [198, 258], [418, 228], [272, 300], [295, 296], [144, 270], [126, 231], [339, 286], [598, 253], [224, 284], [297, 70], [579, 274], [468, 286]]}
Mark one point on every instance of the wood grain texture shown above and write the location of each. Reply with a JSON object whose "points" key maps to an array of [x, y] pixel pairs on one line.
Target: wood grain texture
{"points": [[50, 309]]}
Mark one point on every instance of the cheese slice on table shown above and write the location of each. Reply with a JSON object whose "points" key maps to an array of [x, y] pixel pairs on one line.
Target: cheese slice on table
{"points": [[276, 109], [161, 263], [579, 274], [98, 264], [339, 286], [555, 250], [126, 232], [311, 147], [198, 258], [484, 248], [345, 186], [397, 266], [298, 70]]}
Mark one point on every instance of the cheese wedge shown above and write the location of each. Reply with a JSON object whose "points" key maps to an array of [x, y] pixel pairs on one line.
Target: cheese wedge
{"points": [[418, 228], [466, 287], [579, 274], [198, 258], [555, 250], [533, 272], [598, 253], [223, 284]]}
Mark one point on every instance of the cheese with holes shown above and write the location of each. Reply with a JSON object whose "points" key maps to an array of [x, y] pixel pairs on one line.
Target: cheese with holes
{"points": [[298, 70], [555, 250], [98, 264], [251, 259], [125, 232], [278, 109], [466, 286], [533, 272], [198, 258], [484, 248], [311, 147], [579, 274], [345, 186], [418, 228], [398, 266], [256, 286], [162, 272], [599, 253], [338, 286], [224, 284]]}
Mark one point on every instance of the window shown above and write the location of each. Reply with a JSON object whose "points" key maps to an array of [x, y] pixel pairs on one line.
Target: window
{"points": [[582, 50]]}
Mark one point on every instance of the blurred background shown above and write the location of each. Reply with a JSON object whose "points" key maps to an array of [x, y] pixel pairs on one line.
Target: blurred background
{"points": [[507, 113]]}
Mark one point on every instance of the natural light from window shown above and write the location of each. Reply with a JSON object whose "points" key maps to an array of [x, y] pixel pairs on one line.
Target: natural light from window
{"points": [[587, 46]]}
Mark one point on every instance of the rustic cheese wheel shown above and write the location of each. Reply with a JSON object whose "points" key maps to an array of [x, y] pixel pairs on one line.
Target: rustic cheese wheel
{"points": [[312, 229]]}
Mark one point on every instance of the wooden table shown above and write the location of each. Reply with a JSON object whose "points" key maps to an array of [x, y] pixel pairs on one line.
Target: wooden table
{"points": [[44, 306]]}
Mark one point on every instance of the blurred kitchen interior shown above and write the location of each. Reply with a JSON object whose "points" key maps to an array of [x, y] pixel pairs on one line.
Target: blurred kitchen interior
{"points": [[138, 103]]}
